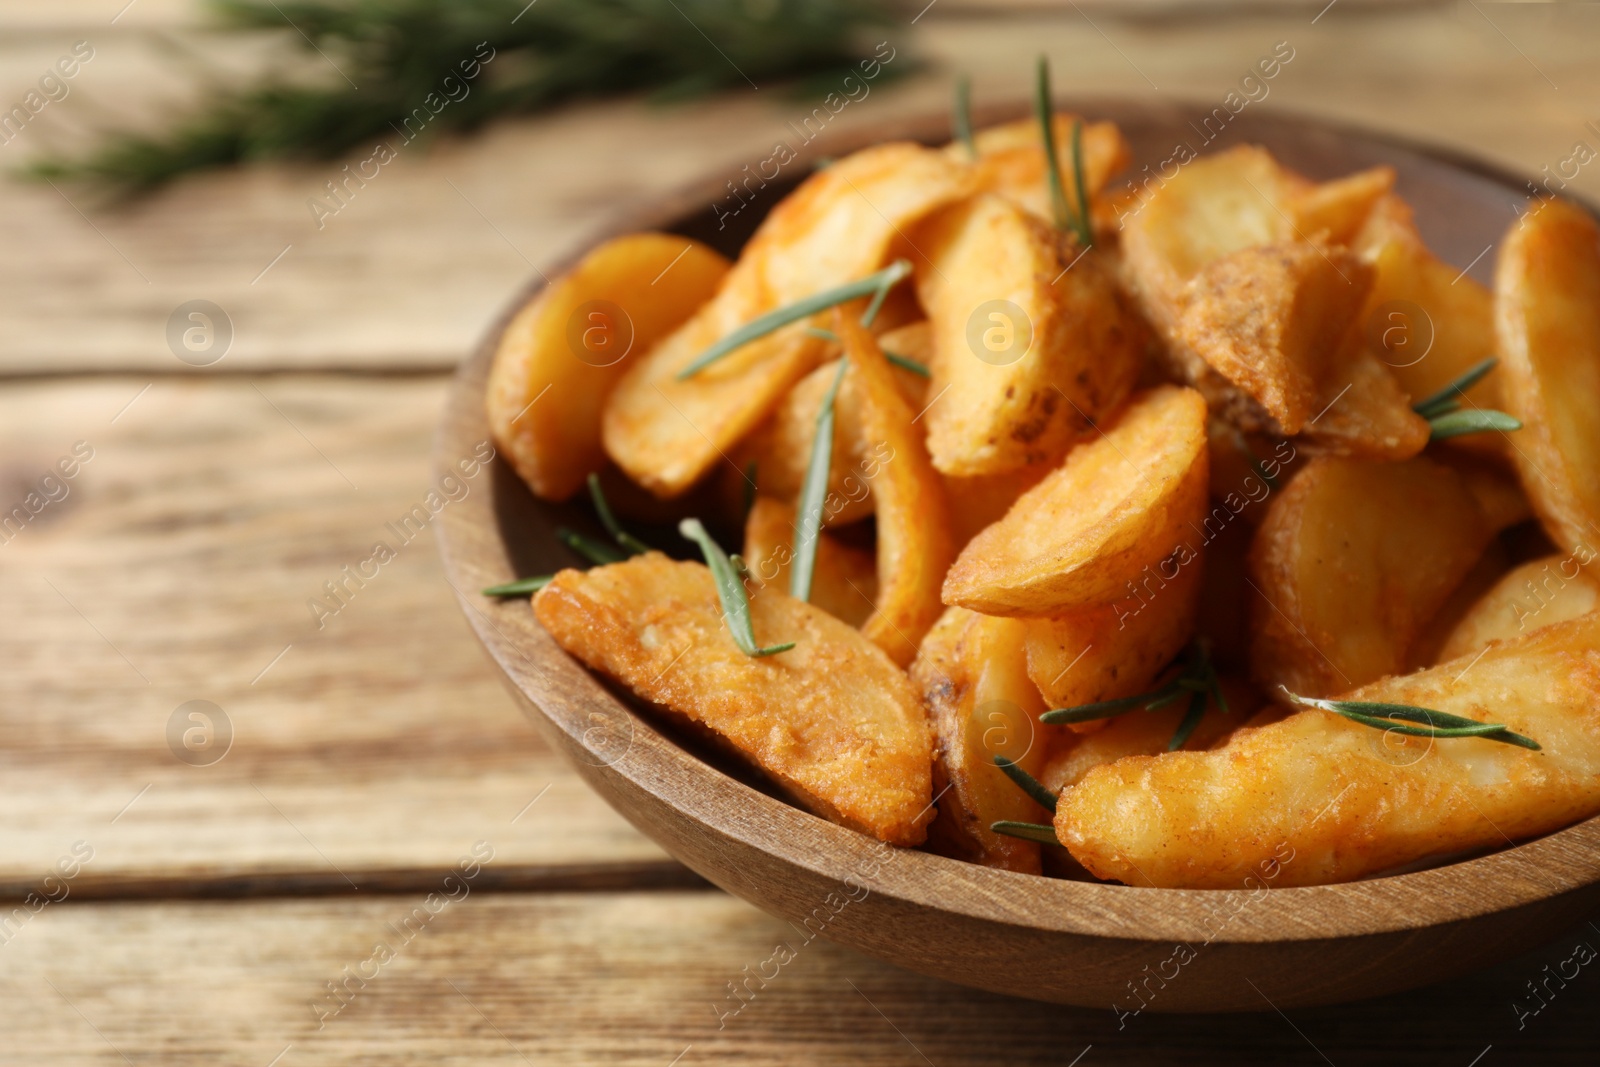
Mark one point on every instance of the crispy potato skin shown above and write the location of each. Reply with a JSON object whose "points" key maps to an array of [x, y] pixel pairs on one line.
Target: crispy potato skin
{"points": [[1352, 562], [1269, 319], [555, 447], [844, 582], [832, 721], [1085, 535], [1316, 799], [838, 226], [1540, 593], [781, 448], [1547, 320], [970, 673], [1064, 353], [914, 547], [1115, 650]]}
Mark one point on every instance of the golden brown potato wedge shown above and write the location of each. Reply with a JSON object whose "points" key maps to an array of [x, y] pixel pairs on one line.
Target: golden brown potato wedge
{"points": [[1121, 503], [1027, 353], [1316, 798], [983, 499], [1115, 650], [832, 721], [1541, 592], [1011, 158], [1547, 320], [844, 582], [1147, 733], [1427, 648], [970, 671], [571, 343], [781, 448], [1352, 562], [1332, 213], [913, 517], [837, 227], [1270, 318], [1424, 319]]}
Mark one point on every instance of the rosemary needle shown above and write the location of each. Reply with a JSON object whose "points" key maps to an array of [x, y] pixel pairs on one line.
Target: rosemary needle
{"points": [[813, 495], [879, 282], [596, 552], [903, 362], [730, 590], [520, 587], [961, 117], [1396, 717], [1044, 111], [609, 521], [1027, 783], [1028, 831]]}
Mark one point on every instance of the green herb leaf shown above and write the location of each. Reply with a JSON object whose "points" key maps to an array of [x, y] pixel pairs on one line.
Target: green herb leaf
{"points": [[1044, 111], [730, 590], [813, 495], [1191, 719], [596, 552], [1082, 225], [1434, 404], [1110, 709], [609, 521], [1473, 420], [1028, 831], [520, 587], [1027, 783], [961, 117], [1386, 716], [881, 281]]}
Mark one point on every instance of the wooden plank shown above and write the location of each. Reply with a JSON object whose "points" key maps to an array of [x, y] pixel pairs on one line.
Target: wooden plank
{"points": [[178, 566], [408, 274], [645, 979]]}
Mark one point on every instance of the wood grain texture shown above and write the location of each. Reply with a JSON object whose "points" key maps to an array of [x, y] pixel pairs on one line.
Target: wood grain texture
{"points": [[178, 567], [409, 272], [644, 978]]}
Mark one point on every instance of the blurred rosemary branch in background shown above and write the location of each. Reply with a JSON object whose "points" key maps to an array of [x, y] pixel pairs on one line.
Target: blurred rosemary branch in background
{"points": [[382, 58]]}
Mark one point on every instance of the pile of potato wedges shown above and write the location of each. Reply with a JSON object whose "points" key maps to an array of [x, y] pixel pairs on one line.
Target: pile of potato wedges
{"points": [[1202, 457]]}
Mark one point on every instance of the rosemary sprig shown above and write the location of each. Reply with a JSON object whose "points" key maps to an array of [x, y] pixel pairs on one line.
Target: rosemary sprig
{"points": [[406, 55], [1198, 678], [961, 116], [1444, 413], [730, 590], [1027, 783], [520, 587], [903, 362], [597, 552], [813, 494], [609, 521], [1065, 219], [1384, 716], [880, 281], [1028, 831]]}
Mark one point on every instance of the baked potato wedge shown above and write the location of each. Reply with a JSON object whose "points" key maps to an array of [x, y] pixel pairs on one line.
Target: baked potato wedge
{"points": [[844, 582], [1317, 799], [1547, 321], [667, 432], [572, 342], [1352, 562], [1011, 160], [970, 672], [1117, 649], [914, 547], [1087, 534], [832, 721], [1541, 592], [1334, 212], [781, 448], [1031, 346]]}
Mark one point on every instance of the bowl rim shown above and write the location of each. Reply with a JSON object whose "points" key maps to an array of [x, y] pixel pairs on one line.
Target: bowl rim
{"points": [[568, 697]]}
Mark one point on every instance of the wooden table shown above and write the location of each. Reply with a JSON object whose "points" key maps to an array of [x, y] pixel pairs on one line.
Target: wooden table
{"points": [[213, 905]]}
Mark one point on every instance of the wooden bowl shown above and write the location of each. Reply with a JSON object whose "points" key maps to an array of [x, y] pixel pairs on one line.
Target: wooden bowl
{"points": [[1106, 946]]}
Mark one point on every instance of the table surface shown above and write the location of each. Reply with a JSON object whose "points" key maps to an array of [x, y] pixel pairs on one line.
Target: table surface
{"points": [[214, 910]]}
